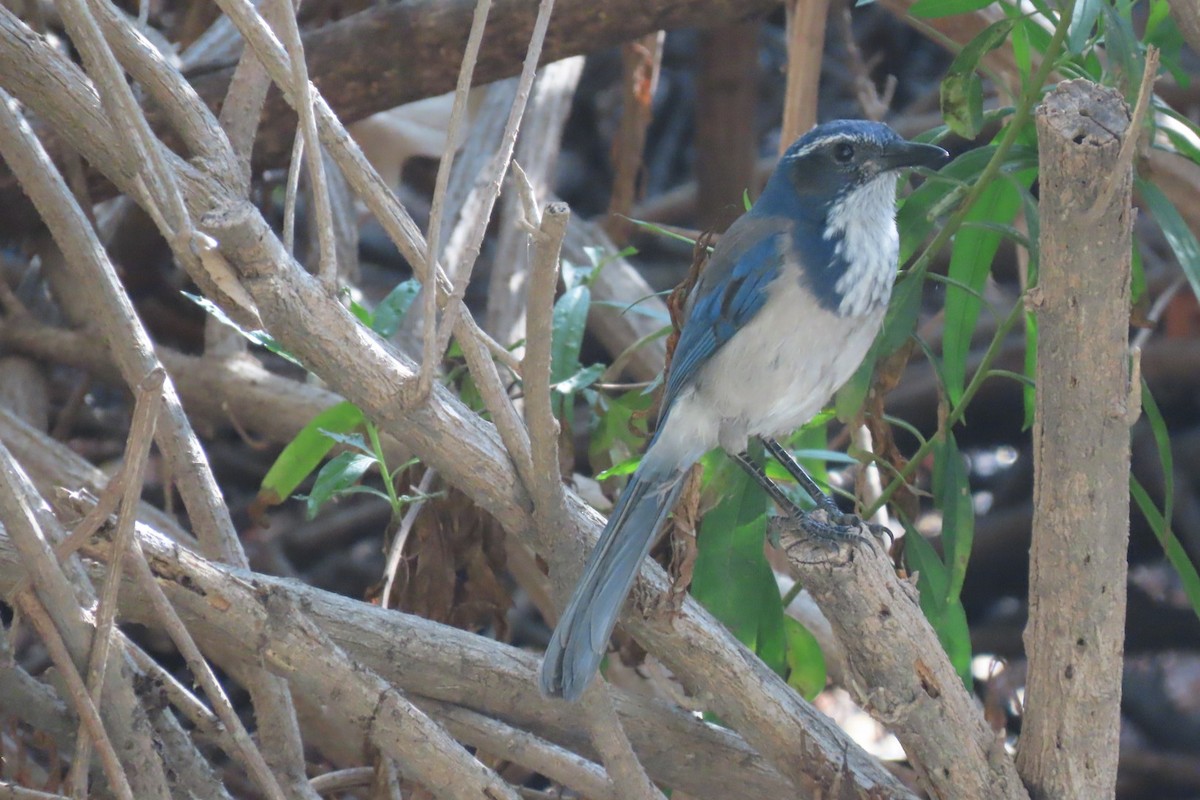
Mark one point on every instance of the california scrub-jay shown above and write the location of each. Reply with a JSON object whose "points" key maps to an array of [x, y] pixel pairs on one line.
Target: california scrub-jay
{"points": [[782, 315]]}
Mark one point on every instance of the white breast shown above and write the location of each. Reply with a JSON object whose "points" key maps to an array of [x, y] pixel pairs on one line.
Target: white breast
{"points": [[774, 376]]}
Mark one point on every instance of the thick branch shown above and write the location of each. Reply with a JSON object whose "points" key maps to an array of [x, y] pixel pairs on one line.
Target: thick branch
{"points": [[899, 670], [1077, 568]]}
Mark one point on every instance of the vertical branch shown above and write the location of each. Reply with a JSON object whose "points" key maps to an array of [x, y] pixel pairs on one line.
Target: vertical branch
{"points": [[641, 60], [289, 32], [805, 48], [137, 450], [462, 277], [1077, 572], [431, 353], [537, 151], [726, 136]]}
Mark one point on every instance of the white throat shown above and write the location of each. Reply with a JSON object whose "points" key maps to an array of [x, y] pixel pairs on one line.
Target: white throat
{"points": [[865, 221]]}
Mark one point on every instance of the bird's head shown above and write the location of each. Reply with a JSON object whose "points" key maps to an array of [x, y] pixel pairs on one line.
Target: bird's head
{"points": [[834, 160], [836, 185]]}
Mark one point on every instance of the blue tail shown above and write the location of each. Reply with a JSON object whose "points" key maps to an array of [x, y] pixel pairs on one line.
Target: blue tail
{"points": [[581, 638]]}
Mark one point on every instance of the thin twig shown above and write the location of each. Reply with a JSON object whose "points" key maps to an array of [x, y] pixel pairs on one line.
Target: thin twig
{"points": [[244, 748], [396, 552], [1156, 311], [500, 164], [89, 717], [1129, 144], [343, 780], [291, 192], [549, 499], [140, 151], [137, 450], [321, 216], [641, 62], [431, 354]]}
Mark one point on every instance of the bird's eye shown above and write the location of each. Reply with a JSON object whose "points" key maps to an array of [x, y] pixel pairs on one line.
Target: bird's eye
{"points": [[843, 153]]}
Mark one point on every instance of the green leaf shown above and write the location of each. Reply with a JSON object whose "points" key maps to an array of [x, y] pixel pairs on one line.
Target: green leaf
{"points": [[1179, 237], [1122, 49], [1162, 440], [1137, 278], [355, 440], [343, 471], [305, 452], [952, 493], [930, 9], [805, 661], [918, 212], [1083, 21], [626, 467], [970, 264], [949, 620], [391, 310], [1169, 542], [260, 338], [732, 578], [580, 380], [961, 89], [360, 312], [618, 431], [569, 321]]}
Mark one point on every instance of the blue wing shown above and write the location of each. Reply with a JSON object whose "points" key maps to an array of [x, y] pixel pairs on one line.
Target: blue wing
{"points": [[731, 290]]}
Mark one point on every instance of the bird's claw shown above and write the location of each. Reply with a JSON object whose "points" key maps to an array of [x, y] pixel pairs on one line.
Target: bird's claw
{"points": [[834, 529]]}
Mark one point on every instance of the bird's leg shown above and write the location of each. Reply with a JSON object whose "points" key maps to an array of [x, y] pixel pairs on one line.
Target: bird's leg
{"points": [[769, 486], [836, 527], [806, 482], [839, 525]]}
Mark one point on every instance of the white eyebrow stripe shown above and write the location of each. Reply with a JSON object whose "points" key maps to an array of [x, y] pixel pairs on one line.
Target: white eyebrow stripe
{"points": [[844, 137]]}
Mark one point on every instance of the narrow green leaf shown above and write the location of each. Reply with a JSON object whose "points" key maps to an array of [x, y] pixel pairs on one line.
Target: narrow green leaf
{"points": [[1137, 278], [580, 380], [1169, 543], [970, 264], [391, 310], [626, 467], [1179, 237], [1162, 441], [1122, 48], [732, 578], [952, 493], [916, 216], [806, 662], [1083, 21], [949, 620], [569, 321], [343, 471], [305, 452], [355, 440], [961, 89], [260, 338]]}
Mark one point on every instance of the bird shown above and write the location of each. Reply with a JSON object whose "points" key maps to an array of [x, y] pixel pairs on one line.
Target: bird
{"points": [[782, 314]]}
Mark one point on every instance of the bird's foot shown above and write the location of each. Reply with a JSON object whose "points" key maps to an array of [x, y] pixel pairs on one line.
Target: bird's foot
{"points": [[834, 529]]}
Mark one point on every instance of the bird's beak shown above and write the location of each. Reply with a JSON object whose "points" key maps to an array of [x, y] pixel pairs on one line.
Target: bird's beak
{"points": [[913, 154]]}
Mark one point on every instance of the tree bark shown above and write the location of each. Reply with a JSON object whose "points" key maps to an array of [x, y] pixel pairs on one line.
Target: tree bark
{"points": [[1074, 639]]}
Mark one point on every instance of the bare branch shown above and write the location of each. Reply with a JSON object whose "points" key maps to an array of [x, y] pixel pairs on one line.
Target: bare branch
{"points": [[900, 673]]}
